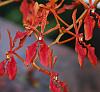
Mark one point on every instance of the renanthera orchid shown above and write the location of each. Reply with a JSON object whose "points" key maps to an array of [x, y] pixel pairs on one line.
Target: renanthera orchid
{"points": [[35, 17]]}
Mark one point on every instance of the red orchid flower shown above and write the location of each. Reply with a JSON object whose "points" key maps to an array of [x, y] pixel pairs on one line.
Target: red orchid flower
{"points": [[33, 15], [36, 14], [89, 22], [27, 9], [79, 37], [43, 50], [81, 52], [92, 10], [44, 53], [9, 67], [56, 85], [9, 64], [81, 48]]}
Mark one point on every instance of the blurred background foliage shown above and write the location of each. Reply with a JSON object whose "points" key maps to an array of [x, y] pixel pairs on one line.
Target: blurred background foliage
{"points": [[12, 13]]}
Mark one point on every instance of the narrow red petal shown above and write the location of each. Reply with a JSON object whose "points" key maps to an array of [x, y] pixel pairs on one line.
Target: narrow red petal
{"points": [[50, 58], [11, 68], [20, 35], [10, 40], [24, 9], [54, 62], [45, 54], [44, 20], [74, 20], [91, 55], [90, 3], [31, 53], [81, 53], [2, 68], [72, 5], [89, 24], [36, 8], [68, 7]]}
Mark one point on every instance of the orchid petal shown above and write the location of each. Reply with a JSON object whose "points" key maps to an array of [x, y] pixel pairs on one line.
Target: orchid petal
{"points": [[45, 54], [11, 68], [24, 9], [81, 53], [89, 24], [20, 35], [10, 40], [31, 53], [2, 68], [91, 55]]}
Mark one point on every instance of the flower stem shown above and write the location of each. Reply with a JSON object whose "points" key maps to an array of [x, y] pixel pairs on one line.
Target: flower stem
{"points": [[65, 41], [53, 11], [81, 17], [84, 4], [6, 2], [34, 65], [19, 57], [51, 30], [67, 31], [57, 40], [96, 2], [59, 4], [41, 69]]}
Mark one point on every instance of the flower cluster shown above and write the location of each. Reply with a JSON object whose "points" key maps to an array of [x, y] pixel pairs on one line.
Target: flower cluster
{"points": [[56, 85], [35, 16]]}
